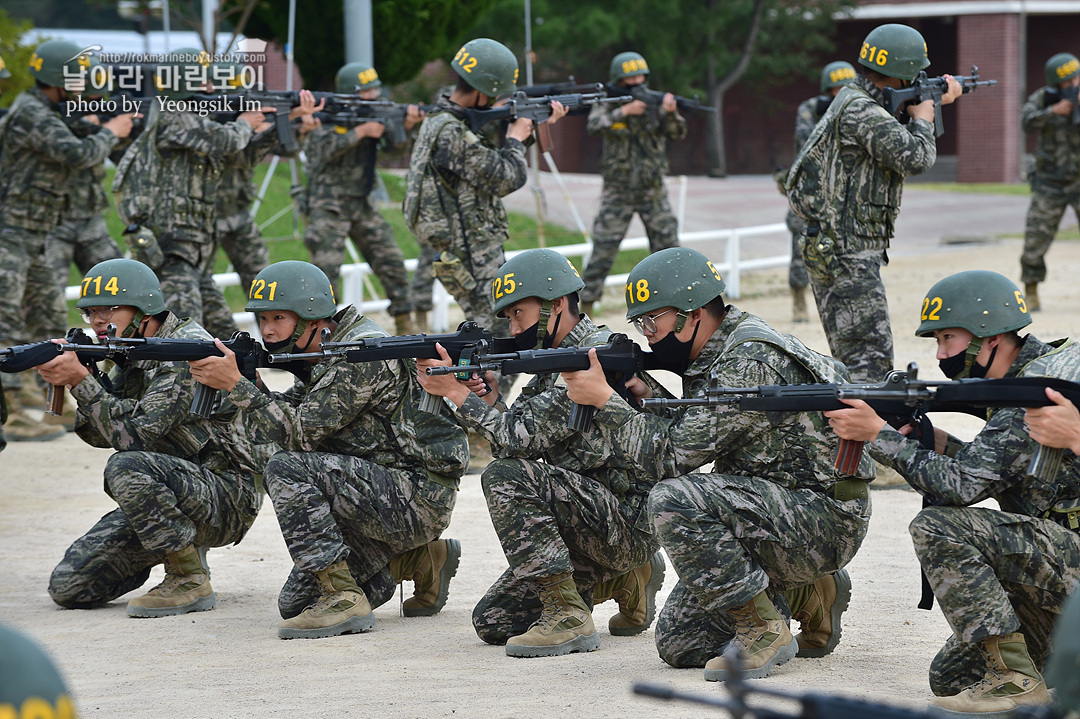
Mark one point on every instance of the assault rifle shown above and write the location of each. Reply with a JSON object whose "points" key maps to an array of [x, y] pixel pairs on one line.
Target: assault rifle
{"points": [[391, 114], [902, 398], [538, 109], [654, 97], [459, 345], [227, 107], [564, 88], [924, 88], [24, 357], [621, 357], [1053, 96]]}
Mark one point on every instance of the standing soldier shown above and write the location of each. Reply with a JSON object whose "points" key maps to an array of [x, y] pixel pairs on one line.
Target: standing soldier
{"points": [[633, 166], [571, 520], [1000, 575], [340, 167], [833, 77], [1052, 112], [38, 157]]}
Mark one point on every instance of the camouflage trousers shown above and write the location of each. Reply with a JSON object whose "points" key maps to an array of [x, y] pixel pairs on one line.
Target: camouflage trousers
{"points": [[992, 573], [797, 277], [617, 208], [188, 287], [420, 289], [550, 521], [24, 265], [730, 538], [855, 314], [332, 507], [166, 503], [332, 220], [243, 243], [1048, 202]]}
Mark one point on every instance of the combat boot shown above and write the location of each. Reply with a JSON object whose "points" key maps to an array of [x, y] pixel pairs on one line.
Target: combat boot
{"points": [[403, 324], [817, 608], [1031, 296], [186, 587], [429, 567], [761, 636], [799, 313], [21, 427], [1011, 680], [31, 394], [342, 608], [565, 626], [635, 593], [420, 321]]}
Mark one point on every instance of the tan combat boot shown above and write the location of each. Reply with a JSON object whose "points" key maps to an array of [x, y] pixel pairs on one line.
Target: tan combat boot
{"points": [[403, 324], [635, 592], [429, 567], [1011, 680], [420, 321], [799, 313], [31, 395], [564, 627], [818, 613], [1031, 296], [342, 608], [186, 587], [762, 637], [21, 427]]}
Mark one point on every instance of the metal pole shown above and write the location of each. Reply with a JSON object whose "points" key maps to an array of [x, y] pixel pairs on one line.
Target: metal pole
{"points": [[294, 175], [358, 33], [534, 150], [165, 22], [209, 9]]}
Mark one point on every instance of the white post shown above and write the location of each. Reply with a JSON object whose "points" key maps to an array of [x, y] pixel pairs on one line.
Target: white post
{"points": [[733, 281], [680, 214]]}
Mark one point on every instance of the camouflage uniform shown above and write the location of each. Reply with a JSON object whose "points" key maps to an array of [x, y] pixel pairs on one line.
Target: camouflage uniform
{"points": [[38, 155], [341, 173], [452, 203], [236, 230], [558, 500], [633, 166], [993, 572], [354, 478], [878, 152], [178, 479], [1055, 181], [765, 518], [805, 118]]}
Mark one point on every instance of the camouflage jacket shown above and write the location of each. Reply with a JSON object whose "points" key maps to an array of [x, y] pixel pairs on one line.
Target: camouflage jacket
{"points": [[455, 182], [635, 147], [1057, 145], [236, 188], [38, 156], [877, 152], [339, 164], [86, 187], [793, 449], [194, 151], [805, 118], [994, 464], [360, 409]]}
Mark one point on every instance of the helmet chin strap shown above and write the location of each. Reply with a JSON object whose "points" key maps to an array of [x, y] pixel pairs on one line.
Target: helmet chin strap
{"points": [[132, 330], [545, 316]]}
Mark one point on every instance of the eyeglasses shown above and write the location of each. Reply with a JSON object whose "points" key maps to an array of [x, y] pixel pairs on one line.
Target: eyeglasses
{"points": [[103, 313], [647, 323]]}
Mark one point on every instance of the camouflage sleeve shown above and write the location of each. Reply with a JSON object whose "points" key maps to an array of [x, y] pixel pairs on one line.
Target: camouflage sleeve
{"points": [[47, 134], [996, 459], [204, 136], [135, 424], [498, 172], [1034, 117], [907, 149], [324, 144], [261, 143], [805, 119], [527, 429], [673, 125], [672, 447], [601, 118]]}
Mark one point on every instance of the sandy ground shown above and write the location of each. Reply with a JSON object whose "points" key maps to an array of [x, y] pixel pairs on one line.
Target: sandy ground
{"points": [[230, 663]]}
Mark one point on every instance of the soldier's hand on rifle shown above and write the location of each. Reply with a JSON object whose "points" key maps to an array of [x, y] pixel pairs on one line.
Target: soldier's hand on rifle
{"points": [[255, 119], [557, 110], [520, 129], [859, 423], [217, 372], [1057, 425], [638, 389], [64, 370], [634, 107], [308, 123], [444, 385], [668, 103], [307, 105], [413, 116], [120, 125], [588, 387], [370, 129], [1062, 107], [955, 90]]}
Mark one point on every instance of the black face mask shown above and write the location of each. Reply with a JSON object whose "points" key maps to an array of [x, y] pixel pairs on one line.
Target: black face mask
{"points": [[954, 367], [671, 354], [278, 347], [527, 339], [979, 371]]}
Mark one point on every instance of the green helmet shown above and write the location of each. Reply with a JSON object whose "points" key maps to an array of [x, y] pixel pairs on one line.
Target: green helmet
{"points": [[98, 79], [227, 76], [1061, 68], [292, 285], [983, 303], [183, 73], [487, 66], [122, 282], [356, 77], [895, 50], [544, 274], [676, 277], [837, 74], [30, 683], [627, 64], [4, 72], [1063, 667], [52, 57]]}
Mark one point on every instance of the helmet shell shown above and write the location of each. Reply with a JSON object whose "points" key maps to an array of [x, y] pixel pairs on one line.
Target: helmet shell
{"points": [[52, 57], [356, 77], [837, 74], [627, 64], [292, 285], [676, 277], [983, 303], [29, 678], [4, 72], [541, 273], [122, 282], [1061, 68], [488, 66], [895, 50]]}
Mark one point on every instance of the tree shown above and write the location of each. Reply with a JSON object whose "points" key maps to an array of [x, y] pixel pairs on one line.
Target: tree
{"points": [[16, 57]]}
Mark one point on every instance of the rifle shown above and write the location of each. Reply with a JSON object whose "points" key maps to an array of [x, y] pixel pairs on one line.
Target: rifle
{"points": [[391, 114], [621, 357], [1054, 96], [925, 88], [655, 97], [563, 88], [24, 357], [459, 345], [538, 109], [227, 107], [902, 398]]}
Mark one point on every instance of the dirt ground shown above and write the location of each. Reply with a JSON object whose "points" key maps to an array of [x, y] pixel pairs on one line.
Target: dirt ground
{"points": [[230, 663]]}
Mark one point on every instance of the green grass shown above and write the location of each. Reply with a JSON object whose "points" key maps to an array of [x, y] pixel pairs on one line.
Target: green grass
{"points": [[976, 188]]}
